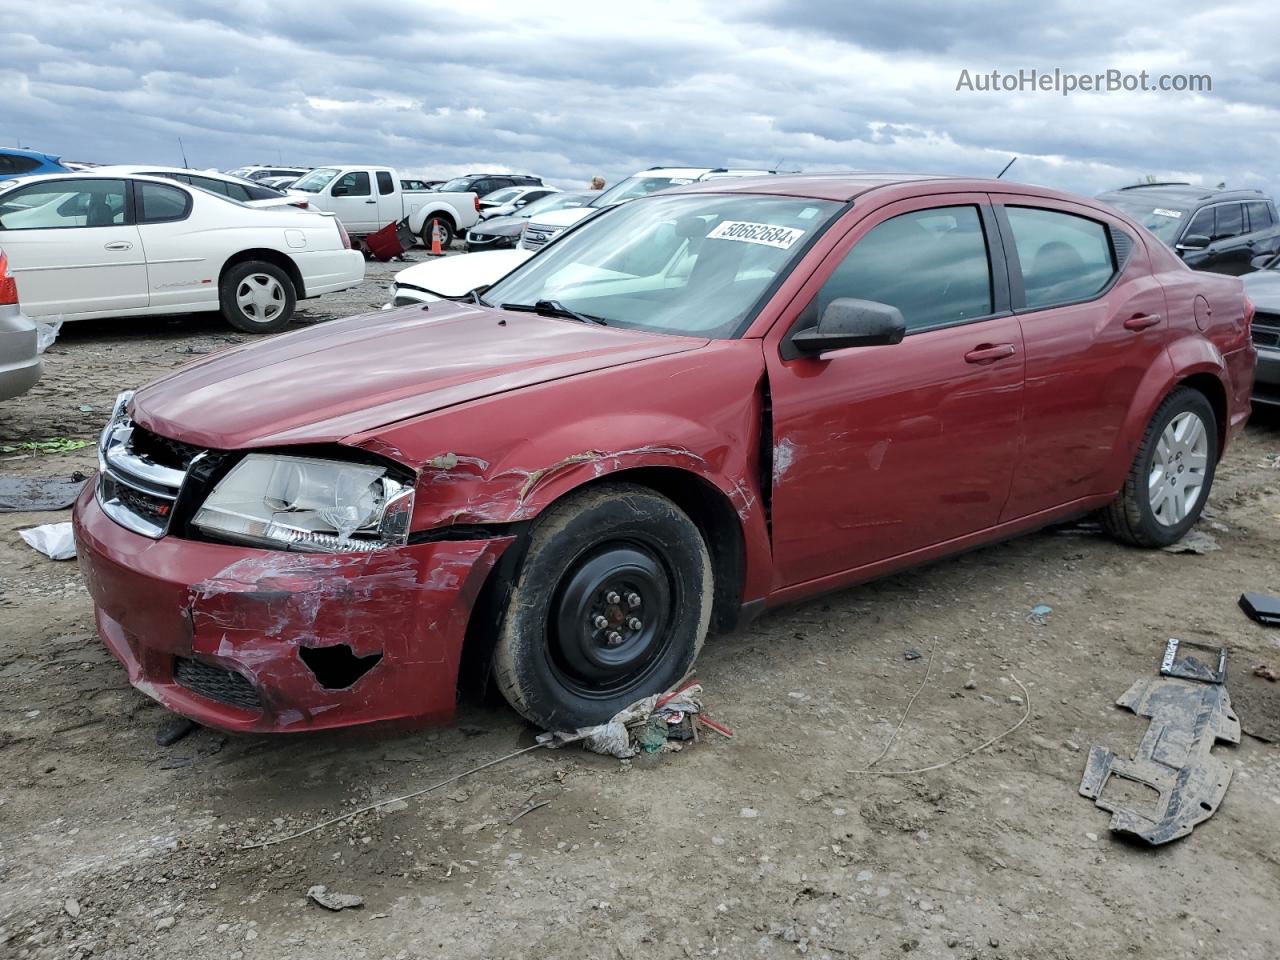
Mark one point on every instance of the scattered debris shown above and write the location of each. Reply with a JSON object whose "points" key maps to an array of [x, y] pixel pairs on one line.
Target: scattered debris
{"points": [[46, 334], [165, 923], [72, 906], [648, 725], [1195, 541], [1266, 672], [1261, 607], [1189, 666], [24, 494], [334, 901], [528, 808], [1039, 614], [173, 729], [52, 445], [1173, 782], [911, 655], [54, 540]]}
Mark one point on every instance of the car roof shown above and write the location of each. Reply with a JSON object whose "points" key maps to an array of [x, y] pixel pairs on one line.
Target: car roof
{"points": [[139, 168], [1185, 194], [32, 154], [847, 186]]}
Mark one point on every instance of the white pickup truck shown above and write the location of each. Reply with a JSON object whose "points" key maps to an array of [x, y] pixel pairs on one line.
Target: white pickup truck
{"points": [[366, 199]]}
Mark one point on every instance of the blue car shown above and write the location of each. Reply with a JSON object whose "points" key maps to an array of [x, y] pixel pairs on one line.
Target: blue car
{"points": [[15, 163]]}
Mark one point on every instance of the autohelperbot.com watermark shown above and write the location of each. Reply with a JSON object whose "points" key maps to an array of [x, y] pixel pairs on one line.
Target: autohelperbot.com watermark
{"points": [[1065, 82]]}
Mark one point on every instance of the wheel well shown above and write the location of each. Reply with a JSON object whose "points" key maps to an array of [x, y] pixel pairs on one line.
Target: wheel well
{"points": [[1211, 387], [709, 509], [440, 215], [274, 257]]}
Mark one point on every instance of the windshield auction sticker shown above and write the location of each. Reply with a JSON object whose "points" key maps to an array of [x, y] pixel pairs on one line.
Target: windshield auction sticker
{"points": [[741, 230], [1162, 212]]}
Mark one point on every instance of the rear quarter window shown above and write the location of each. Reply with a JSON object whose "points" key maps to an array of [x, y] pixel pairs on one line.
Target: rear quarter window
{"points": [[1064, 258]]}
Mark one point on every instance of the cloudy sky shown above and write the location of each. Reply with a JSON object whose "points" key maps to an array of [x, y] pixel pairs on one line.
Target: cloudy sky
{"points": [[567, 90]]}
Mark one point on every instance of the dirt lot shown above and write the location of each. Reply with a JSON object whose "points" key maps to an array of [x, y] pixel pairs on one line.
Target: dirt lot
{"points": [[763, 846]]}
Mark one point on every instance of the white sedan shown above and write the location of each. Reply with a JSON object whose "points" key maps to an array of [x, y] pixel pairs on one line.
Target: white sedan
{"points": [[91, 245], [453, 278]]}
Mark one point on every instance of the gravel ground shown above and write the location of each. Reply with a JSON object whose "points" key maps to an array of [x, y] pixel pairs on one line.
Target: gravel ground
{"points": [[767, 845]]}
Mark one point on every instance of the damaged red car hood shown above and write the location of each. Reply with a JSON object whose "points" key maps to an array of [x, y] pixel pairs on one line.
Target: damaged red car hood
{"points": [[347, 376]]}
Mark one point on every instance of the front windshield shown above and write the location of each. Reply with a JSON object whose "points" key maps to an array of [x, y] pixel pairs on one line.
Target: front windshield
{"points": [[1161, 219], [239, 172], [552, 201], [456, 185], [503, 196], [637, 186], [687, 264], [316, 180]]}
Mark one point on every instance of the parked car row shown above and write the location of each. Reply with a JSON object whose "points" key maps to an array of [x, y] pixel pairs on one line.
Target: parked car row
{"points": [[858, 374]]}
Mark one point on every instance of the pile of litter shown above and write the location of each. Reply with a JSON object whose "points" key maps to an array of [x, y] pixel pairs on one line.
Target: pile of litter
{"points": [[661, 723]]}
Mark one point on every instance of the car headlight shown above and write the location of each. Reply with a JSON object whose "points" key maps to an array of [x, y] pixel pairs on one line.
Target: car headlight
{"points": [[305, 503]]}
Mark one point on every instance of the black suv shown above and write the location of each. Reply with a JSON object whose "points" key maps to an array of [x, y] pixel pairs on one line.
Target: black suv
{"points": [[483, 184], [1222, 231]]}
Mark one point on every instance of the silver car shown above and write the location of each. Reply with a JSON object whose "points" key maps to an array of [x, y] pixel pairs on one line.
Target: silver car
{"points": [[20, 365]]}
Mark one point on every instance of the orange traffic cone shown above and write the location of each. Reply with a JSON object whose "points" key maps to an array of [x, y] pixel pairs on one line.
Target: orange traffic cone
{"points": [[437, 238]]}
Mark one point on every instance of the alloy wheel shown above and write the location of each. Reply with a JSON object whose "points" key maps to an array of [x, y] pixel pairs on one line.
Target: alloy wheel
{"points": [[1178, 469]]}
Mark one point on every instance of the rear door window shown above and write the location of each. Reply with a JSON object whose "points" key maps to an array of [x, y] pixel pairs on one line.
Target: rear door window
{"points": [[930, 264], [1259, 215], [385, 183], [159, 203], [1064, 258]]}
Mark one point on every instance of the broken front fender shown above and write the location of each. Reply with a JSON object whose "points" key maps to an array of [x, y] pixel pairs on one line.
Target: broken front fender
{"points": [[269, 641]]}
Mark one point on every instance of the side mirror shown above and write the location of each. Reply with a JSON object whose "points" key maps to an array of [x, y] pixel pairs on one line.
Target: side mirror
{"points": [[852, 323], [339, 191], [1194, 241], [521, 203]]}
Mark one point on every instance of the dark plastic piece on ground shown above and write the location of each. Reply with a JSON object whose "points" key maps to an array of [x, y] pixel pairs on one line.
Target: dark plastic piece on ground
{"points": [[1263, 608], [173, 730], [39, 493], [1173, 782], [1190, 667]]}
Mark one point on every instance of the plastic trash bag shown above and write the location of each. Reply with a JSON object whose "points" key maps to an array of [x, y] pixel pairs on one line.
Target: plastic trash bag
{"points": [[46, 333], [54, 540]]}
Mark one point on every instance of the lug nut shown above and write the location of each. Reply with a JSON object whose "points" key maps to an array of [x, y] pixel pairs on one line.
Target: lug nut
{"points": [[612, 597], [614, 638], [600, 621], [633, 600], [634, 623]]}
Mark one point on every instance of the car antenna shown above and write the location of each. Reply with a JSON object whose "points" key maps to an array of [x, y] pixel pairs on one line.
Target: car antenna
{"points": [[183, 150], [1006, 168]]}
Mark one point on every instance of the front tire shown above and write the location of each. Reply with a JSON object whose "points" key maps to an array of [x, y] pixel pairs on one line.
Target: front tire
{"points": [[257, 297], [1169, 482], [611, 604]]}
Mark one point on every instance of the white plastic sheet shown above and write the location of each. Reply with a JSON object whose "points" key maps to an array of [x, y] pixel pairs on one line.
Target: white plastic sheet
{"points": [[54, 540]]}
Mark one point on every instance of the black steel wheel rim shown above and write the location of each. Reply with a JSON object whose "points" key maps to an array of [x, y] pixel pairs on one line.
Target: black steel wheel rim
{"points": [[610, 619]]}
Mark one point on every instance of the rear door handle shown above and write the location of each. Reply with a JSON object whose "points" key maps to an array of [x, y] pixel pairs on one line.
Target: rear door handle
{"points": [[1142, 320], [989, 353], [119, 245]]}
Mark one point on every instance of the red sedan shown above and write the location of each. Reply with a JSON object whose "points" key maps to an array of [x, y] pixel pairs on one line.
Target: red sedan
{"points": [[696, 406]]}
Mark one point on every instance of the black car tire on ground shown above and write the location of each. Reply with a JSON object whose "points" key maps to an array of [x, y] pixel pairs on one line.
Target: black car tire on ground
{"points": [[445, 226], [611, 604], [1130, 517], [239, 279]]}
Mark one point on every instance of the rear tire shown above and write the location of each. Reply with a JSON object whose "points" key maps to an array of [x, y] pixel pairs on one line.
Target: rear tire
{"points": [[611, 604], [257, 297], [1168, 484], [446, 228]]}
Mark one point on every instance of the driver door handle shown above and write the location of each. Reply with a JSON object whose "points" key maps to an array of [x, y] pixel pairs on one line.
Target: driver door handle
{"points": [[118, 245], [1142, 320], [371, 201], [989, 353]]}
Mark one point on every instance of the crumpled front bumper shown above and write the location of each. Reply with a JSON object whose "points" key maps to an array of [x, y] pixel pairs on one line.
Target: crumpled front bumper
{"points": [[252, 640]]}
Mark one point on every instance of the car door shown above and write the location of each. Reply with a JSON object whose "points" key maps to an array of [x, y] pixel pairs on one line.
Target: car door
{"points": [[73, 247], [882, 451], [390, 205], [1093, 323], [182, 268], [1263, 238], [351, 198]]}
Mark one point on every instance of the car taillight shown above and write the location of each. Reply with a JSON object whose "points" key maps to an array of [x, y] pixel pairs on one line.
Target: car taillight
{"points": [[477, 199], [8, 285], [342, 232], [301, 204]]}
